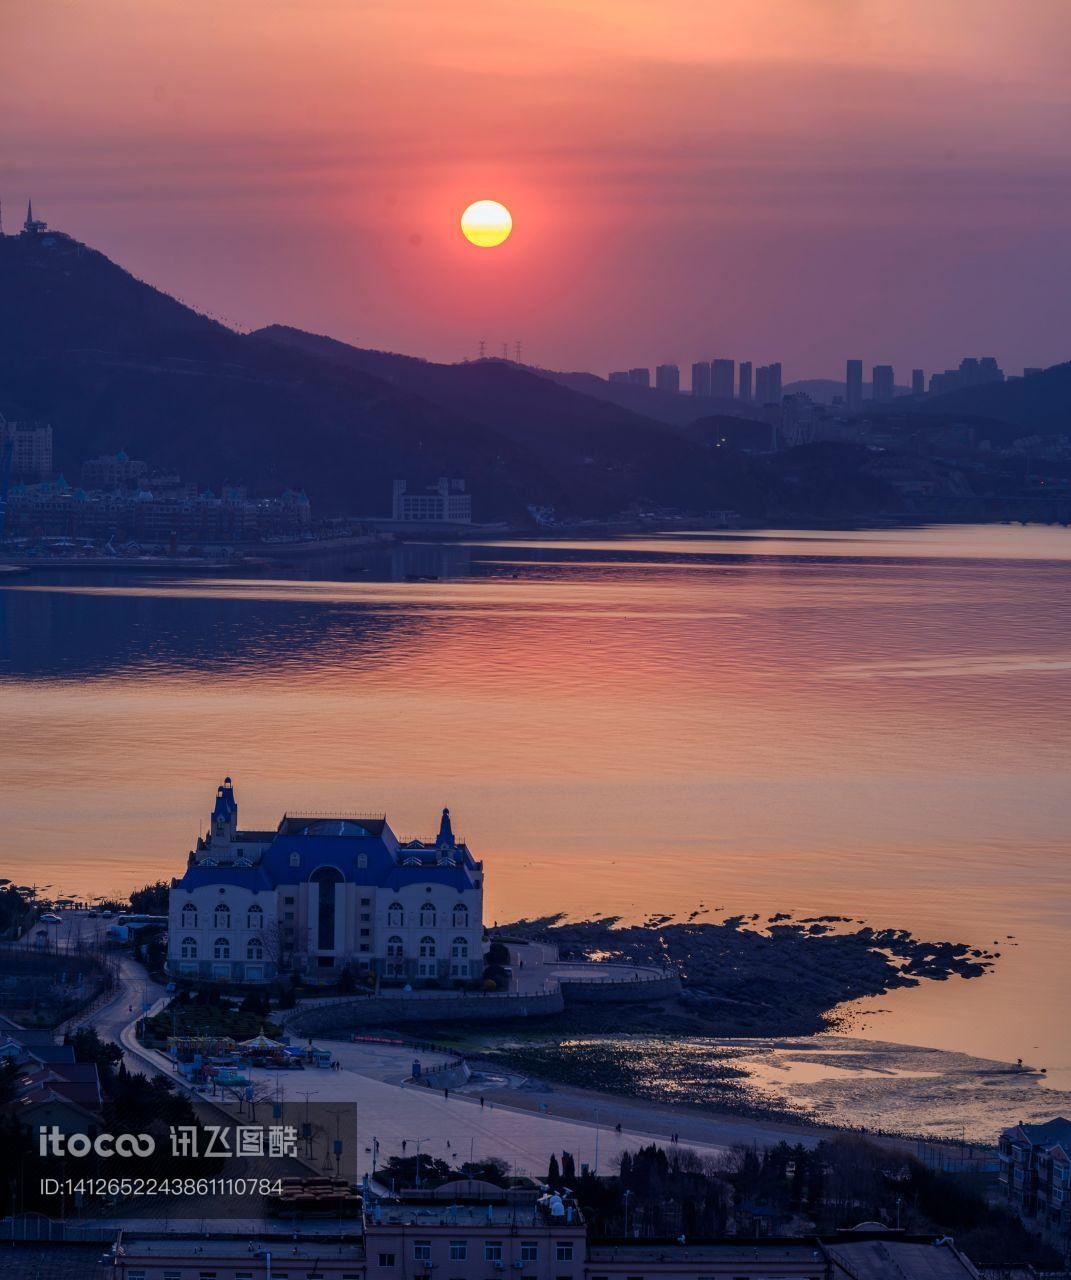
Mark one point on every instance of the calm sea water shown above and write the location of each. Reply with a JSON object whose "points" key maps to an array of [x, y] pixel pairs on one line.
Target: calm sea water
{"points": [[873, 724]]}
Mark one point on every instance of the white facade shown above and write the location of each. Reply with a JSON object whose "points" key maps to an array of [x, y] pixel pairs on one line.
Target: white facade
{"points": [[445, 502]]}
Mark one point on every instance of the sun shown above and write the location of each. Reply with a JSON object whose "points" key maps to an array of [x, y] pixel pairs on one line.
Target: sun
{"points": [[486, 223]]}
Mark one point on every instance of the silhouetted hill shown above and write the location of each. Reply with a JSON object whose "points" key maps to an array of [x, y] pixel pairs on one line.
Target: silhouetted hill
{"points": [[1039, 404], [732, 430], [510, 397], [113, 363], [599, 445]]}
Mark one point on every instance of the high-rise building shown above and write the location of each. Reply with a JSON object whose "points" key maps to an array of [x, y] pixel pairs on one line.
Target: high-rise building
{"points": [[31, 449], [745, 380], [114, 471], [853, 387], [668, 378], [882, 383], [701, 378], [918, 382], [444, 502], [768, 383], [972, 372], [640, 377], [722, 378], [620, 375]]}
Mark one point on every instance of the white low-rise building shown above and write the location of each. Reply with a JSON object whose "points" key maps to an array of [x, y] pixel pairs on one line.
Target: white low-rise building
{"points": [[320, 895]]}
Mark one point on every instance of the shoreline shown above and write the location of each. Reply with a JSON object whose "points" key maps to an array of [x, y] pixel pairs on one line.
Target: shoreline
{"points": [[986, 1095], [257, 558]]}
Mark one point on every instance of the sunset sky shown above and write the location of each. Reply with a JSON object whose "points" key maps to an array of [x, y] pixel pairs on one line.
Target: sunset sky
{"points": [[800, 180]]}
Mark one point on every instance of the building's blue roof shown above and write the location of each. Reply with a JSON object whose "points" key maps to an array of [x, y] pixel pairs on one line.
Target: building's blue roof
{"points": [[363, 851], [199, 877]]}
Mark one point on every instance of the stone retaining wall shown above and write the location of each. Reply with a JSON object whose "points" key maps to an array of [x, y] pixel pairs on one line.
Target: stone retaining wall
{"points": [[344, 1013], [623, 991]]}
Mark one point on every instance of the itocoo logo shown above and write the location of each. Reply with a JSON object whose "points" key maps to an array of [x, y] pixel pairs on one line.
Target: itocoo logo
{"points": [[52, 1142]]}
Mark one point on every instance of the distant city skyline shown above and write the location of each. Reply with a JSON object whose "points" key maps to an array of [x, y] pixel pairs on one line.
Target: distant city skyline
{"points": [[720, 379], [784, 174]]}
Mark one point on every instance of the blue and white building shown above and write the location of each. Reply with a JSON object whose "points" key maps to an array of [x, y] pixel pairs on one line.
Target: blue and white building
{"points": [[320, 894]]}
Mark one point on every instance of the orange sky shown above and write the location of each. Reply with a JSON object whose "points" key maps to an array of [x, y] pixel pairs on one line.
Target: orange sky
{"points": [[793, 179]]}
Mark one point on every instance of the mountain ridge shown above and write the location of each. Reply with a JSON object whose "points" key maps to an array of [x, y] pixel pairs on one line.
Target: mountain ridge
{"points": [[114, 363]]}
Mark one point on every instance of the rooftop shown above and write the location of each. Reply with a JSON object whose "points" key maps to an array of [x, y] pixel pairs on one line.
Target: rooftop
{"points": [[768, 1250], [304, 1249], [855, 1255], [1050, 1133], [430, 1214], [895, 1259]]}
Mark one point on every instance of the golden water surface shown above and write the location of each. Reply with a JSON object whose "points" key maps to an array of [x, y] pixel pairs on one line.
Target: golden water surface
{"points": [[873, 723]]}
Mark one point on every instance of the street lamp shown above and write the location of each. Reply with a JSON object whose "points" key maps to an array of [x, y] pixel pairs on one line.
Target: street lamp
{"points": [[419, 1142]]}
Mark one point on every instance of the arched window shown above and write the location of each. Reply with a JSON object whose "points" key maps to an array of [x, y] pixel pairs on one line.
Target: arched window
{"points": [[427, 915], [427, 967], [395, 915], [222, 950], [461, 916], [395, 967], [427, 948], [395, 948], [189, 949], [189, 916], [254, 950], [221, 917], [255, 917]]}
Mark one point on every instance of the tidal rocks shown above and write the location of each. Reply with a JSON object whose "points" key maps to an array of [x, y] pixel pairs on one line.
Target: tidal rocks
{"points": [[785, 979]]}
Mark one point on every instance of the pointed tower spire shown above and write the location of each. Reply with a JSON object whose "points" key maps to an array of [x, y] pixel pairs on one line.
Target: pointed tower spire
{"points": [[446, 832], [32, 225], [225, 812]]}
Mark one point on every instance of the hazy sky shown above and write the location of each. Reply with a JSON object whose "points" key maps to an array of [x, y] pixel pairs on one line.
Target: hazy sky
{"points": [[768, 179]]}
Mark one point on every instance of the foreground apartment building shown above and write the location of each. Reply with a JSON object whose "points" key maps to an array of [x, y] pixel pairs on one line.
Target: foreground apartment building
{"points": [[435, 1241], [1035, 1174]]}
